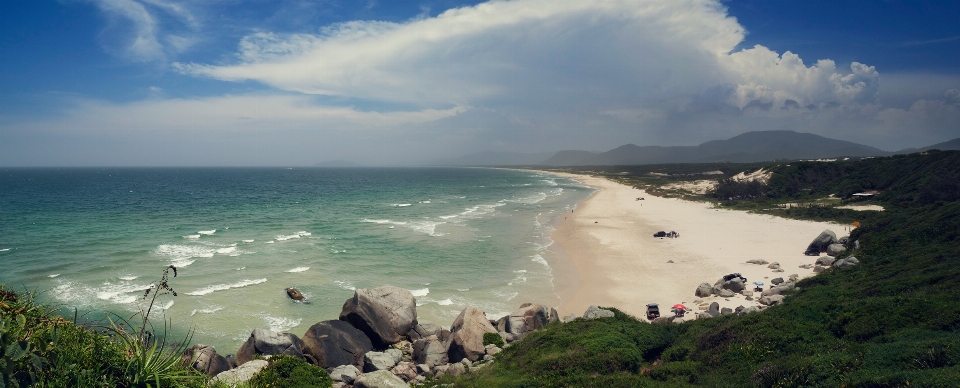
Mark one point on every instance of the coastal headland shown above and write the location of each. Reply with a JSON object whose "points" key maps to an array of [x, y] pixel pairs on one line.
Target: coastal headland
{"points": [[607, 255]]}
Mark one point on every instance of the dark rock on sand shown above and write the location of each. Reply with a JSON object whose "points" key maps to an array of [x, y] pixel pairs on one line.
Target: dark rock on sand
{"points": [[822, 241], [835, 249], [847, 262], [704, 290]]}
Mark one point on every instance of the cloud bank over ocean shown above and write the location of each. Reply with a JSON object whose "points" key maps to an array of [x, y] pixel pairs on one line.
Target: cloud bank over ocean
{"points": [[529, 75]]}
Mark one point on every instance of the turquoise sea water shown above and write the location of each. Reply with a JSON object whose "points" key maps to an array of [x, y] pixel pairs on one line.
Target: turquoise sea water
{"points": [[94, 239]]}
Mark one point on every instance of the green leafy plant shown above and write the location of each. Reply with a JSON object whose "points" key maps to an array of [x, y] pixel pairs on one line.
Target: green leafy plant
{"points": [[291, 372], [492, 339]]}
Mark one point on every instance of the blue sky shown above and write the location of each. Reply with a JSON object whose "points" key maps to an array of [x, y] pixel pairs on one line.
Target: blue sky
{"points": [[295, 82]]}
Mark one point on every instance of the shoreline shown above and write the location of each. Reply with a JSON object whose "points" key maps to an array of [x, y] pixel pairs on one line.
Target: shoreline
{"points": [[606, 254]]}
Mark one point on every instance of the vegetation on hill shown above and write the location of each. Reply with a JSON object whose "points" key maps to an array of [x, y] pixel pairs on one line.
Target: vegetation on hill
{"points": [[892, 321]]}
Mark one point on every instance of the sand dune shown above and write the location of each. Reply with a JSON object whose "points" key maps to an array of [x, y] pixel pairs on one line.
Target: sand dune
{"points": [[607, 254]]}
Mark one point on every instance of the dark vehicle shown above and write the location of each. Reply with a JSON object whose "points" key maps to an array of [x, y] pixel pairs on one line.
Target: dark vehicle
{"points": [[653, 311], [812, 252], [735, 275], [660, 234]]}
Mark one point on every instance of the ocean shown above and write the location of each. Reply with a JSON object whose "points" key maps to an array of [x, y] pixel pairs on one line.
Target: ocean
{"points": [[91, 240]]}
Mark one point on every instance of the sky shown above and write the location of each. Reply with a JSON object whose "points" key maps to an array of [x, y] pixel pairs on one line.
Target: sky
{"points": [[297, 82]]}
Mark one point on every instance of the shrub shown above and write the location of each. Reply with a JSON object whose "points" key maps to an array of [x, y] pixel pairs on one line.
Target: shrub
{"points": [[492, 339], [291, 372]]}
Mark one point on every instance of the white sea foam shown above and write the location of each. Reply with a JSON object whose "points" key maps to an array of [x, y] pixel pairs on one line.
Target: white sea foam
{"points": [[269, 242], [445, 302], [208, 232], [428, 227], [168, 305], [4, 249], [128, 277], [539, 259], [192, 236], [299, 269], [463, 289], [424, 201], [400, 204], [420, 292], [223, 287], [280, 324], [209, 310], [247, 241], [53, 276], [549, 182], [293, 236], [227, 250], [181, 255], [241, 268], [344, 285], [120, 293], [520, 271]]}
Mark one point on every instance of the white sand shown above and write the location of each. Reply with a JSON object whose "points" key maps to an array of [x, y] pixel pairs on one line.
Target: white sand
{"points": [[609, 257]]}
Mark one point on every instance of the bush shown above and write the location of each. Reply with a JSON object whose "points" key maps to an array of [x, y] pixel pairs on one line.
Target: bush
{"points": [[492, 339], [291, 372]]}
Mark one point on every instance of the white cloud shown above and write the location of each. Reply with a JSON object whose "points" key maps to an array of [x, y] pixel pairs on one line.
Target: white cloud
{"points": [[137, 30]]}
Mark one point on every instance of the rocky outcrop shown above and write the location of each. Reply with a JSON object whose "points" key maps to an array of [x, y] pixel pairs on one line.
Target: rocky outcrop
{"points": [[335, 343], [527, 319], [835, 249], [345, 373], [825, 261], [205, 359], [757, 261], [771, 300], [735, 285], [385, 314], [266, 342], [822, 241], [406, 371], [594, 312], [714, 309], [466, 334], [430, 351], [423, 330], [846, 262], [241, 374], [379, 379], [774, 265], [386, 360], [295, 294]]}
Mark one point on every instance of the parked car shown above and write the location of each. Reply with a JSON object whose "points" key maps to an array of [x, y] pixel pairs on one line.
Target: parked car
{"points": [[653, 311]]}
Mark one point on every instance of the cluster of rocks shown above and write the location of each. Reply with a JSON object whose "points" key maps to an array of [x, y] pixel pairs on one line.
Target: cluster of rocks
{"points": [[378, 342]]}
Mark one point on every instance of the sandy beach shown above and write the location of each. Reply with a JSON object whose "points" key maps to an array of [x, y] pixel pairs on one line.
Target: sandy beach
{"points": [[607, 254]]}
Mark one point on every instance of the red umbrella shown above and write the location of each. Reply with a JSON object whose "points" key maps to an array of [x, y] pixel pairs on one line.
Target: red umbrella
{"points": [[679, 306]]}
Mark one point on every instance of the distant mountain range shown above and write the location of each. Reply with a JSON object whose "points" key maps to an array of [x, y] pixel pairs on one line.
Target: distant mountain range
{"points": [[758, 146]]}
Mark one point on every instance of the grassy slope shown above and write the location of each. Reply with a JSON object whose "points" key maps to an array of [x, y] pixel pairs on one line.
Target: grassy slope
{"points": [[893, 320]]}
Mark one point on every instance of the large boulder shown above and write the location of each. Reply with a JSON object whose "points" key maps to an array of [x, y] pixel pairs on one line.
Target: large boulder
{"points": [[345, 373], [466, 334], [379, 379], [714, 309], [704, 290], [406, 371], [205, 359], [385, 314], [527, 319], [266, 342], [771, 300], [431, 351], [735, 285], [825, 261], [374, 361], [594, 312], [822, 241], [295, 294], [335, 343], [835, 249], [241, 374], [726, 294]]}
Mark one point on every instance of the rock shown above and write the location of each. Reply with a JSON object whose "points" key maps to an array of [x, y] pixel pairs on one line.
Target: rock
{"points": [[295, 294], [771, 300], [726, 311], [704, 315], [570, 318], [374, 361], [241, 374], [491, 349], [594, 312], [735, 285], [345, 373], [776, 281], [776, 290], [339, 384], [454, 369], [847, 262], [266, 342], [806, 266], [507, 337], [825, 261], [835, 249], [335, 343], [430, 351], [751, 309], [423, 330], [822, 241], [843, 240], [670, 261], [660, 320], [739, 309], [525, 304], [379, 379], [793, 277], [774, 265], [424, 370], [678, 320], [466, 362], [466, 338], [527, 319], [757, 261], [205, 359], [726, 293], [747, 292], [440, 369], [554, 315], [406, 371], [385, 314], [817, 269], [778, 270], [749, 297], [714, 309]]}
